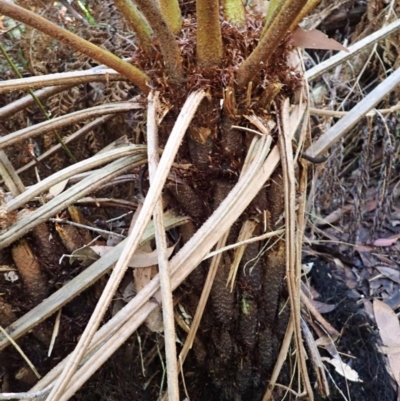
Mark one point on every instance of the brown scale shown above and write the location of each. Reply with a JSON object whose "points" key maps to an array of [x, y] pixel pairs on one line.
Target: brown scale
{"points": [[70, 237], [275, 259], [231, 139], [222, 299], [268, 349], [202, 134], [188, 199], [245, 376], [34, 279], [224, 344], [200, 144], [48, 246]]}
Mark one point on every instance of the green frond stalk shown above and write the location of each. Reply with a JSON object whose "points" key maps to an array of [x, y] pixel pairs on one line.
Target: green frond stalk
{"points": [[172, 14], [234, 12], [27, 17], [209, 40], [168, 46], [311, 4], [136, 22], [271, 39], [274, 7], [38, 102]]}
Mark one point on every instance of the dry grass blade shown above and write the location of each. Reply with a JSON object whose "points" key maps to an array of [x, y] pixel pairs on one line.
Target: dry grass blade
{"points": [[292, 270], [85, 165], [315, 358], [245, 242], [74, 287], [41, 94], [295, 120], [358, 112], [71, 118], [86, 186], [161, 243], [341, 57], [171, 148], [23, 355], [63, 78], [10, 176], [335, 113]]}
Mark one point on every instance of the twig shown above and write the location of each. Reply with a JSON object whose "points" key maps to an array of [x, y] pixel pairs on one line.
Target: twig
{"points": [[74, 78], [245, 242], [95, 229], [25, 396], [85, 165], [292, 273], [22, 353], [161, 243], [335, 113]]}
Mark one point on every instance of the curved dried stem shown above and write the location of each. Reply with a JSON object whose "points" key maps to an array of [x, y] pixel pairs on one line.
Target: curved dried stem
{"points": [[168, 45], [136, 22], [234, 12], [161, 243], [88, 185], [71, 118], [209, 40], [80, 167], [172, 14], [271, 39], [27, 17], [63, 78], [26, 101]]}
